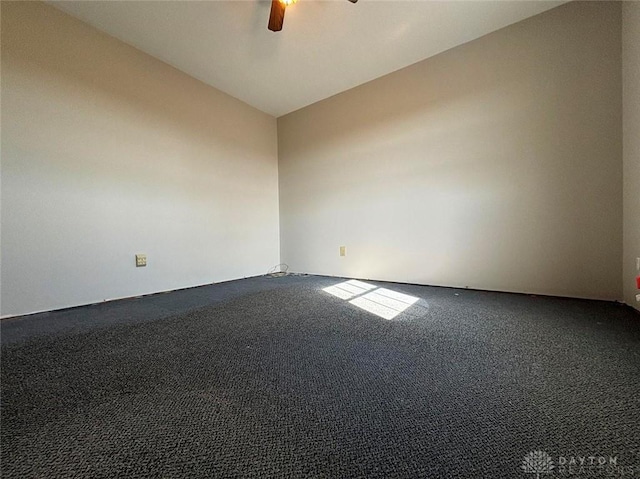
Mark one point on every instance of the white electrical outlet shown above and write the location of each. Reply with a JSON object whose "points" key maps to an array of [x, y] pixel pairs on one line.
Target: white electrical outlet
{"points": [[638, 298], [343, 251], [141, 260], [637, 264]]}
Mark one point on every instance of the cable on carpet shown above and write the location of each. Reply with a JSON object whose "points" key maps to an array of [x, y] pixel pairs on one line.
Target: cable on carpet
{"points": [[278, 270]]}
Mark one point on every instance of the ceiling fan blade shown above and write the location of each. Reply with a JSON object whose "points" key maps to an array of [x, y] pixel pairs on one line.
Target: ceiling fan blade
{"points": [[276, 18]]}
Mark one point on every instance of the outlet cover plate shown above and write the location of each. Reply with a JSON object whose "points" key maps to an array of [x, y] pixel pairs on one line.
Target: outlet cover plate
{"points": [[141, 260]]}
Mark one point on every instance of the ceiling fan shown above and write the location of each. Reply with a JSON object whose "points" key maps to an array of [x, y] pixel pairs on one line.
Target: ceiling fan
{"points": [[276, 18]]}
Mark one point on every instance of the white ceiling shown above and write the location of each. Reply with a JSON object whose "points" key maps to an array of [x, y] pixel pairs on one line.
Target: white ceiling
{"points": [[325, 47]]}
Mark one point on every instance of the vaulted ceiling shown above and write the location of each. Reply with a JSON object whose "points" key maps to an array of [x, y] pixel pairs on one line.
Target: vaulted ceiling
{"points": [[325, 47]]}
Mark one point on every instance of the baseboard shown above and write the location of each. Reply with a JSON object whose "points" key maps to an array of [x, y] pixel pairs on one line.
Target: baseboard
{"points": [[466, 288], [124, 298]]}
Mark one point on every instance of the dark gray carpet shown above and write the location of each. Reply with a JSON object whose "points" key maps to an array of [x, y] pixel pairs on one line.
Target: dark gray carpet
{"points": [[272, 377]]}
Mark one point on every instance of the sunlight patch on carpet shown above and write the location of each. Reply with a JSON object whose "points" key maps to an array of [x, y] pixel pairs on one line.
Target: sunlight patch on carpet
{"points": [[382, 302], [349, 289]]}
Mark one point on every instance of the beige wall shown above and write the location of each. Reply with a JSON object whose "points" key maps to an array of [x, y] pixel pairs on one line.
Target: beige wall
{"points": [[631, 128], [108, 152], [495, 165]]}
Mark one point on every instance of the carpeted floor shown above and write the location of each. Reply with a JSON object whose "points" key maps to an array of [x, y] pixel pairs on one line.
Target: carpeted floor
{"points": [[274, 377]]}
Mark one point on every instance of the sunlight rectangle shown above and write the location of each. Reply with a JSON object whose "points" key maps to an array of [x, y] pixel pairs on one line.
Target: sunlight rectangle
{"points": [[355, 287], [360, 284], [379, 301], [339, 292], [349, 289], [386, 301], [375, 308], [404, 298]]}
